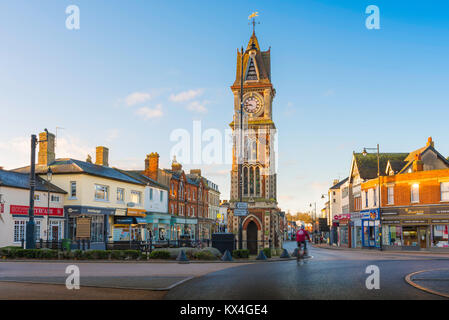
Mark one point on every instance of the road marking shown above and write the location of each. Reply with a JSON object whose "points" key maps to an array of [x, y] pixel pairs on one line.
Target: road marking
{"points": [[410, 282], [103, 286]]}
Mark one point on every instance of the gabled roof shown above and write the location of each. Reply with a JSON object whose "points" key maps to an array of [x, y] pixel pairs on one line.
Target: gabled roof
{"points": [[68, 165], [418, 153], [395, 166], [367, 165], [22, 181], [339, 184]]}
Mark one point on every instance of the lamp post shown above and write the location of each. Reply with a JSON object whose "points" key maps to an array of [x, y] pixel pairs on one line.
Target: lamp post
{"points": [[49, 176], [252, 51], [365, 153], [30, 237]]}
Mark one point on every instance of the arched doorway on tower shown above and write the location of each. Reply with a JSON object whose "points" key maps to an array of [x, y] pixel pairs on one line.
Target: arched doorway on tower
{"points": [[251, 236]]}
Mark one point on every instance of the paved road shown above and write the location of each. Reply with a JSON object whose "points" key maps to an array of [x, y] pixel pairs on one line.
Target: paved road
{"points": [[331, 274]]}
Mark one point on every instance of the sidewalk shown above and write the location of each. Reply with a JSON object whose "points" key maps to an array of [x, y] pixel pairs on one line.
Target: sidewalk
{"points": [[428, 253]]}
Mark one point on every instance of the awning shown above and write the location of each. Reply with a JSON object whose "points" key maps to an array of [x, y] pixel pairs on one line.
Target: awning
{"points": [[136, 212]]}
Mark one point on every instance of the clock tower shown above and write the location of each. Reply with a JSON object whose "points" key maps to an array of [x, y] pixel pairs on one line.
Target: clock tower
{"points": [[258, 174]]}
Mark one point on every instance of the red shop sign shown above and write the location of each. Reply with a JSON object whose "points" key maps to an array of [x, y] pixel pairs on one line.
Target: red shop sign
{"points": [[38, 211]]}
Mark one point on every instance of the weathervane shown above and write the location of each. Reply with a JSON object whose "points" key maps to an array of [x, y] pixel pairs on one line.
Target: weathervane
{"points": [[253, 16]]}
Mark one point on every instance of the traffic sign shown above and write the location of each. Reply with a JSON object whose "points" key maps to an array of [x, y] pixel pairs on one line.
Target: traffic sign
{"points": [[241, 205], [240, 212]]}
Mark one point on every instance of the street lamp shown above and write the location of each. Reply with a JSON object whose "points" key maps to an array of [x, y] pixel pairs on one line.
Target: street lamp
{"points": [[252, 52], [30, 236], [365, 153], [49, 176]]}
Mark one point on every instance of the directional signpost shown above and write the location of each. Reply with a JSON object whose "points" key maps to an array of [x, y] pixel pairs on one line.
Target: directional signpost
{"points": [[241, 209]]}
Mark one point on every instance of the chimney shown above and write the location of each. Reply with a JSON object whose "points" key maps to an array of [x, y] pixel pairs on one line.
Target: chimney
{"points": [[335, 182], [196, 171], [417, 163], [102, 157], [430, 142], [46, 154], [152, 165]]}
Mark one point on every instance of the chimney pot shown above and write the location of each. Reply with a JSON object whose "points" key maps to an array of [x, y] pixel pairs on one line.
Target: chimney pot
{"points": [[102, 156]]}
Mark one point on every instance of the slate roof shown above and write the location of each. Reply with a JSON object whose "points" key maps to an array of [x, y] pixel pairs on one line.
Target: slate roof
{"points": [[367, 165], [76, 166], [397, 165], [138, 175], [339, 184], [22, 181]]}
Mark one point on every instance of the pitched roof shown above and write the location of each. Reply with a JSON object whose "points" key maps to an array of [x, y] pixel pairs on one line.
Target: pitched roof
{"points": [[339, 184], [22, 181], [68, 165], [397, 165], [367, 164], [138, 175]]}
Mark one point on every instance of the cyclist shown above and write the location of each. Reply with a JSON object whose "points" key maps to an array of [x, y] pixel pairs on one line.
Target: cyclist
{"points": [[301, 236]]}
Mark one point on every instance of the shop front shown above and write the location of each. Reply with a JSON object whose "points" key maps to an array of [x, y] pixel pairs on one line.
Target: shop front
{"points": [[356, 229], [89, 223], [344, 230], [416, 228], [158, 226], [370, 228], [183, 227], [205, 228]]}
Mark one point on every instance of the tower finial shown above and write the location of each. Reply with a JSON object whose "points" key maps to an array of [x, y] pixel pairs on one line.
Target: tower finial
{"points": [[253, 16]]}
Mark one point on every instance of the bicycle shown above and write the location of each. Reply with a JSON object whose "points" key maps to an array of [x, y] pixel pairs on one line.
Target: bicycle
{"points": [[300, 256]]}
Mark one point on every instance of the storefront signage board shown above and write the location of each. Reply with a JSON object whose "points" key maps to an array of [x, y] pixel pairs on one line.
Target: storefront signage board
{"points": [[83, 228]]}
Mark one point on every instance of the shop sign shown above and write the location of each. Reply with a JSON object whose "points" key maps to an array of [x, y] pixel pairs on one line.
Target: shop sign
{"points": [[440, 221], [391, 221], [370, 214], [124, 220], [83, 228], [345, 216], [89, 210], [38, 211], [120, 212], [412, 211], [136, 212], [415, 221]]}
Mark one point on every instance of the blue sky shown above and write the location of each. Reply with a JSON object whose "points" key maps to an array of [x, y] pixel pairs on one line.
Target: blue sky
{"points": [[340, 87]]}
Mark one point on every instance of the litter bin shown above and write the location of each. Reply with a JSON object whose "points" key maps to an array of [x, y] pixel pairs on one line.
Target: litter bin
{"points": [[66, 244]]}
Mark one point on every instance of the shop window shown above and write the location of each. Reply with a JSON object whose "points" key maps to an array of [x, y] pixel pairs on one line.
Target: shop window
{"points": [[440, 236], [161, 195], [19, 230], [37, 197], [54, 198], [97, 229], [151, 194], [37, 229], [444, 186], [414, 193]]}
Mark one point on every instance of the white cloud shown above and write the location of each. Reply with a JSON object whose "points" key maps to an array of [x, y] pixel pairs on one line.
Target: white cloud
{"points": [[136, 98], [196, 106], [186, 95], [148, 113], [15, 152]]}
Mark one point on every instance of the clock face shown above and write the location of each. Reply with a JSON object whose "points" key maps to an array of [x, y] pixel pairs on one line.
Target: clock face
{"points": [[251, 104]]}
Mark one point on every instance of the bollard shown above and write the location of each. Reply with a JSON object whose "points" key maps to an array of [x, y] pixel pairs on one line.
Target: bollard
{"points": [[284, 254], [226, 256], [295, 252], [182, 258], [261, 256]]}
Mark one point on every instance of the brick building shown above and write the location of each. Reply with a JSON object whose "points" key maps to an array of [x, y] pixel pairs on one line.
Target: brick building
{"points": [[414, 201]]}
